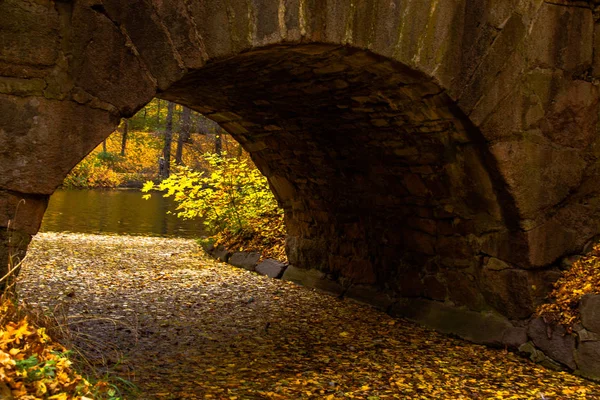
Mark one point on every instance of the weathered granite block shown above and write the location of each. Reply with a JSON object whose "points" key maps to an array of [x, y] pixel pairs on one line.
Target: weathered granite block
{"points": [[478, 327], [312, 278], [590, 312], [514, 337], [553, 341], [221, 253], [370, 295], [244, 259], [271, 268], [538, 356], [587, 357]]}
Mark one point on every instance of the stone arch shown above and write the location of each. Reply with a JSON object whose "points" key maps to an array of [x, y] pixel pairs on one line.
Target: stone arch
{"points": [[383, 179], [478, 79]]}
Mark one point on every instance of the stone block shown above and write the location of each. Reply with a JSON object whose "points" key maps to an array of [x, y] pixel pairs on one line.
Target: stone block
{"points": [[419, 241], [24, 211], [35, 123], [30, 33], [514, 337], [312, 278], [434, 289], [454, 247], [22, 87], [268, 29], [538, 356], [572, 23], [577, 100], [590, 312], [102, 53], [357, 269], [558, 178], [410, 284], [555, 342], [271, 268], [370, 295], [152, 42], [495, 264], [463, 290], [423, 224], [507, 290], [207, 245], [482, 328], [221, 253], [586, 336], [587, 358], [13, 246], [244, 259]]}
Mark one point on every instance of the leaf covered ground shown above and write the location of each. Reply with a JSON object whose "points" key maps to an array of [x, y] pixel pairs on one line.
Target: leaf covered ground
{"points": [[180, 326]]}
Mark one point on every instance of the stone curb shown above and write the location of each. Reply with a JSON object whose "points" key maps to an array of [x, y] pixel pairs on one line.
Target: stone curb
{"points": [[247, 260]]}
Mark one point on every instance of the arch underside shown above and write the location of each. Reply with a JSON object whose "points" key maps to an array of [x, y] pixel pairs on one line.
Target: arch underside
{"points": [[383, 180]]}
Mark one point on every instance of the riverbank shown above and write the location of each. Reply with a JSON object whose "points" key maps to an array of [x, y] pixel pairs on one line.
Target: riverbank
{"points": [[181, 326]]}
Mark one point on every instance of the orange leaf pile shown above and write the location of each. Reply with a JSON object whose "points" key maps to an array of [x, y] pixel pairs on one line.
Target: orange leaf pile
{"points": [[32, 365], [582, 278]]}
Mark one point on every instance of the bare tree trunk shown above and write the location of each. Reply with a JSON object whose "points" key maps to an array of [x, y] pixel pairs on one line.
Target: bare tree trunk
{"points": [[124, 138], [158, 114], [184, 134], [166, 171], [104, 146], [218, 144]]}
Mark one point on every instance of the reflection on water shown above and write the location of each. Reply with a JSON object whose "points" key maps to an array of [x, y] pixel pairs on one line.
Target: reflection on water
{"points": [[115, 211]]}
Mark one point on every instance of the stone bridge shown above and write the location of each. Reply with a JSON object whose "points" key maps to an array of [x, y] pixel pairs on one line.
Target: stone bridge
{"points": [[444, 151]]}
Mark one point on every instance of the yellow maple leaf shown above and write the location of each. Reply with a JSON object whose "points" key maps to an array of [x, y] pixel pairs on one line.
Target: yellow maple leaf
{"points": [[63, 378], [6, 359], [20, 331], [44, 338], [40, 388]]}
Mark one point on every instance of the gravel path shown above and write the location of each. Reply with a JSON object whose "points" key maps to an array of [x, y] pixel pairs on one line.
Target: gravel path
{"points": [[181, 326]]}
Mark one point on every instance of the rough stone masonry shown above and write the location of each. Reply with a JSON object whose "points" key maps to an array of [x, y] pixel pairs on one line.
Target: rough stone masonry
{"points": [[433, 156]]}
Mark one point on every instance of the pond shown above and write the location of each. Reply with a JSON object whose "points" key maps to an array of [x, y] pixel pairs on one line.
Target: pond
{"points": [[119, 211]]}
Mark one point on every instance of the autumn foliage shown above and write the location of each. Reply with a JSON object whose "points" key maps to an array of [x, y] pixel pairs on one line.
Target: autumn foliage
{"points": [[33, 366], [582, 278], [109, 169], [234, 201]]}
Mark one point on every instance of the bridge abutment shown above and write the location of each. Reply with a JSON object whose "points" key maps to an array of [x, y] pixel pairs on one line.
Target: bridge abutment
{"points": [[20, 218]]}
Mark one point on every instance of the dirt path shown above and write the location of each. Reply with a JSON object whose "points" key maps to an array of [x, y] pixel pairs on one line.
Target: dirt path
{"points": [[181, 326]]}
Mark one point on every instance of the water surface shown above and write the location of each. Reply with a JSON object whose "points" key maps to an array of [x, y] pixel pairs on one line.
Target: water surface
{"points": [[120, 211]]}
